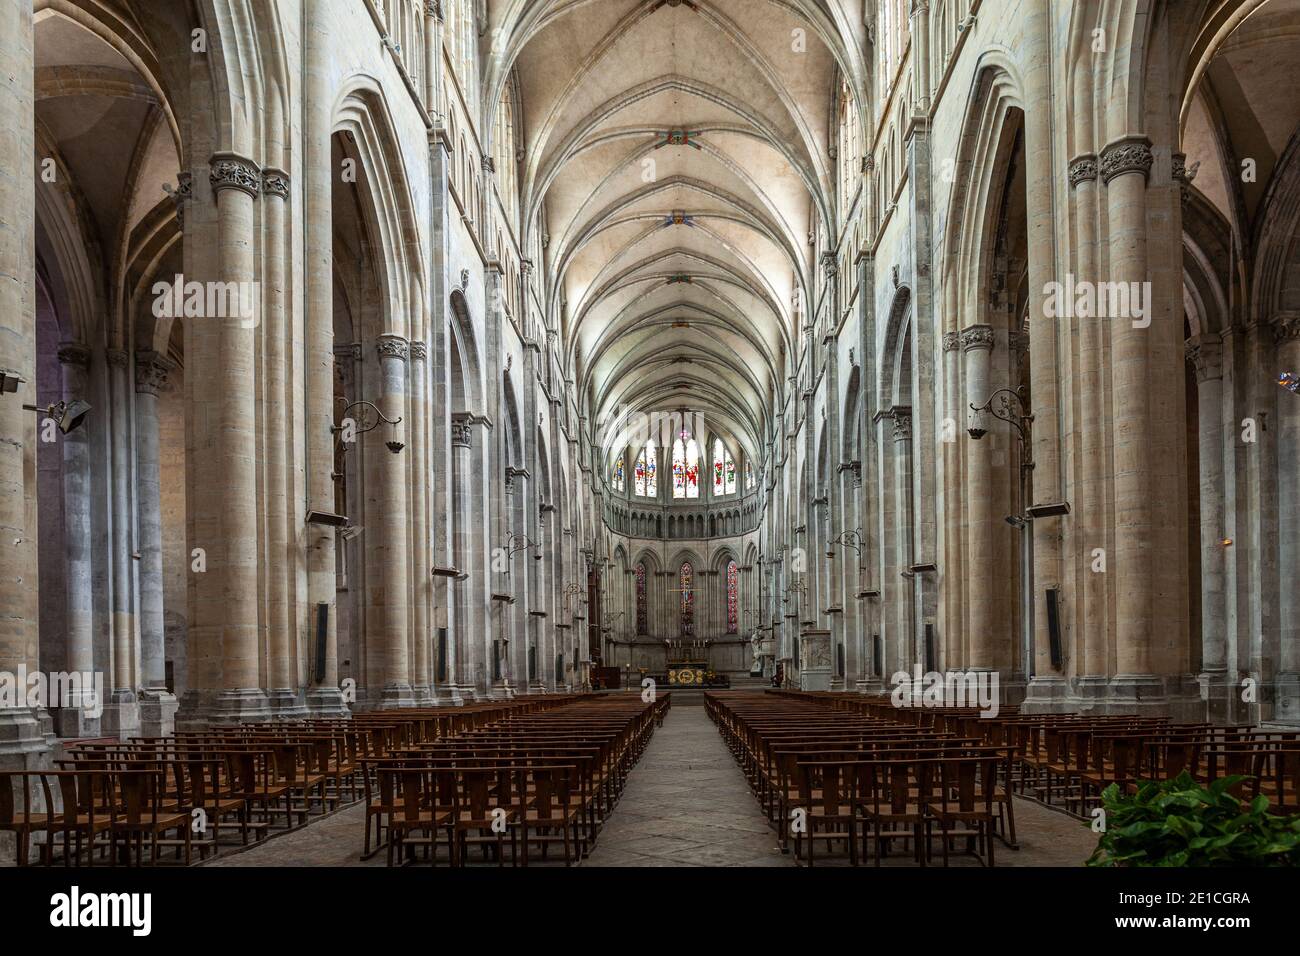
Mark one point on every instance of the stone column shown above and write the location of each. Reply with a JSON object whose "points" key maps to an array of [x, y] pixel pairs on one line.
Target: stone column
{"points": [[1042, 218], [23, 742], [386, 578], [953, 569], [536, 602], [1205, 352], [1090, 521], [157, 705], [433, 59], [1125, 164], [1287, 700], [324, 697], [908, 652], [77, 719], [981, 574], [281, 626], [236, 182], [469, 649], [421, 579], [122, 709]]}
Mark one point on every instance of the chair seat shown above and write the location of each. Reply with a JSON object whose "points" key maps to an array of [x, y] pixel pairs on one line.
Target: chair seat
{"points": [[425, 818]]}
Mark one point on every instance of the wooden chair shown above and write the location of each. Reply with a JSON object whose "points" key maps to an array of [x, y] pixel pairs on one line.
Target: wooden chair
{"points": [[828, 797], [892, 797], [416, 811], [963, 800], [552, 807], [204, 793], [87, 801], [143, 814], [25, 820], [488, 800]]}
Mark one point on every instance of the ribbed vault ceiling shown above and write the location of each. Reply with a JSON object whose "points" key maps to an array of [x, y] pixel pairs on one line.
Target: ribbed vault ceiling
{"points": [[675, 265]]}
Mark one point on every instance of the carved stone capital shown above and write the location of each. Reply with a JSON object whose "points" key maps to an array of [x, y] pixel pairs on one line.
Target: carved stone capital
{"points": [[902, 418], [950, 341], [1205, 353], [231, 171], [392, 346], [462, 432], [419, 351], [275, 182], [1287, 327], [1183, 176], [73, 353], [181, 195], [1131, 154], [977, 337], [1082, 169], [1178, 167], [433, 8], [151, 371], [117, 358], [830, 264]]}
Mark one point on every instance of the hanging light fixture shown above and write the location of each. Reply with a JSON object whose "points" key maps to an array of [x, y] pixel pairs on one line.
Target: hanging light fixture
{"points": [[67, 416]]}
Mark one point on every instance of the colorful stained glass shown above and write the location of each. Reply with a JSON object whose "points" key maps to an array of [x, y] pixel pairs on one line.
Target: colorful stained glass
{"points": [[692, 469], [686, 579], [733, 597], [642, 617], [679, 470], [644, 476], [618, 474], [724, 470]]}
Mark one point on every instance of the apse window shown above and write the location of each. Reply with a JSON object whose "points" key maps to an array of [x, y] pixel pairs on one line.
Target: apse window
{"points": [[686, 467], [724, 470], [644, 477]]}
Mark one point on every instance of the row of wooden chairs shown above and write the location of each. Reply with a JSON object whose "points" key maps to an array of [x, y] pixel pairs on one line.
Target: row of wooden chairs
{"points": [[528, 781], [832, 777], [1068, 760], [105, 801]]}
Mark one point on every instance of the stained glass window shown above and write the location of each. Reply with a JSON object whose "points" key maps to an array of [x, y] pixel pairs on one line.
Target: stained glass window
{"points": [[749, 477], [724, 470], [733, 597], [618, 474], [686, 579], [686, 468], [644, 476], [642, 618]]}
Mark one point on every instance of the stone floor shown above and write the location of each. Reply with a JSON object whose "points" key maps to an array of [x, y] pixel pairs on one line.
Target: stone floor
{"points": [[686, 804]]}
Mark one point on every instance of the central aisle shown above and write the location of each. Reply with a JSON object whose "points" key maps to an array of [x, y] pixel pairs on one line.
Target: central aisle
{"points": [[686, 804]]}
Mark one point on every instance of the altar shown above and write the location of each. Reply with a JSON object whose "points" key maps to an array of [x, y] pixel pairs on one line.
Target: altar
{"points": [[688, 662], [687, 674]]}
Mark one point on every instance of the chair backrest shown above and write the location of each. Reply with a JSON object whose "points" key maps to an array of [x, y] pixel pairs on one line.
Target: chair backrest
{"points": [[139, 791], [28, 783]]}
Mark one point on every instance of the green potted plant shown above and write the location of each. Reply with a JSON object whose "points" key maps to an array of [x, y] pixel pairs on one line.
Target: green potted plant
{"points": [[1181, 823]]}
